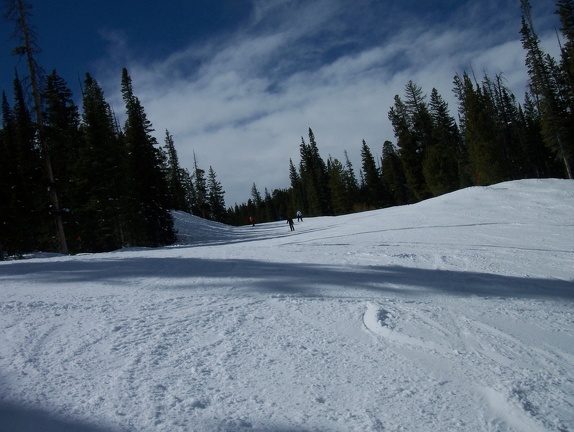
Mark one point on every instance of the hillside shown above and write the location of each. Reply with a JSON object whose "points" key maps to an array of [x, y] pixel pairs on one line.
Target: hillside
{"points": [[453, 314]]}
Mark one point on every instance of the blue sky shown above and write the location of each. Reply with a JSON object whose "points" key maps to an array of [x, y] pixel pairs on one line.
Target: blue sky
{"points": [[239, 82]]}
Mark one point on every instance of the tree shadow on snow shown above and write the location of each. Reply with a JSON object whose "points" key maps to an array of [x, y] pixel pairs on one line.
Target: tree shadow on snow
{"points": [[15, 417], [288, 279]]}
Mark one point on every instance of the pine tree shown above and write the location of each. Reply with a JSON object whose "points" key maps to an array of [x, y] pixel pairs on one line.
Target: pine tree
{"points": [[29, 206], [410, 121], [256, 196], [63, 138], [393, 177], [218, 212], [547, 84], [5, 180], [201, 203], [99, 178], [313, 172], [441, 163], [350, 180], [486, 160], [152, 221], [18, 11], [339, 199], [297, 191], [175, 176], [373, 191]]}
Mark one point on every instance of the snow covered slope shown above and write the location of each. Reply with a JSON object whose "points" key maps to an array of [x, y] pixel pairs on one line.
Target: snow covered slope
{"points": [[454, 314]]}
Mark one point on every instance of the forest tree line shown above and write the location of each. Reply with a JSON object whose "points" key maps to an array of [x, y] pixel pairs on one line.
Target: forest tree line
{"points": [[74, 181], [492, 138]]}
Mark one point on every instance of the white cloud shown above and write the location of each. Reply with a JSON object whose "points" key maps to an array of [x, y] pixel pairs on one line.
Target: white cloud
{"points": [[242, 104]]}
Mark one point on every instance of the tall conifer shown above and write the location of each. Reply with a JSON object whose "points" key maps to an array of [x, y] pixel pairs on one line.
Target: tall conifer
{"points": [[152, 222]]}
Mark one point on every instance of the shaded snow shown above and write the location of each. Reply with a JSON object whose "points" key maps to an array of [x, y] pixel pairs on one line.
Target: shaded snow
{"points": [[454, 314]]}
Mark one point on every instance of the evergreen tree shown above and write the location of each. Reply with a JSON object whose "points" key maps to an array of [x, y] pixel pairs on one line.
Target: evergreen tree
{"points": [[62, 135], [175, 176], [350, 181], [566, 13], [19, 177], [393, 177], [152, 223], [486, 161], [99, 181], [313, 174], [538, 156], [549, 87], [201, 202], [339, 199], [373, 191], [269, 206], [414, 129], [18, 11], [216, 199], [5, 180], [297, 191], [256, 196], [441, 163], [29, 209]]}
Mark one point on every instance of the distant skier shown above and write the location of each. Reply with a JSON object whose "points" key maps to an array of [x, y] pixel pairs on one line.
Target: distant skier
{"points": [[291, 223], [251, 220], [299, 216]]}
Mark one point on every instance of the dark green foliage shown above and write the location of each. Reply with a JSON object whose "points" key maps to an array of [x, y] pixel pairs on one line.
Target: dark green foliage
{"points": [[488, 161], [63, 139], [551, 85], [116, 185], [18, 208], [27, 208], [313, 174], [339, 197], [372, 187], [176, 177], [200, 202], [393, 177], [151, 224], [441, 164], [216, 199], [101, 215], [413, 129]]}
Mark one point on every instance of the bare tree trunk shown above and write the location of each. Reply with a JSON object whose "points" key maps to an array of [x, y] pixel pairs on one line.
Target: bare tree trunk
{"points": [[40, 125]]}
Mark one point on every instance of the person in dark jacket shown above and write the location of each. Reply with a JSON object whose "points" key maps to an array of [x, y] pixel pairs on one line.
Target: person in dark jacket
{"points": [[291, 223]]}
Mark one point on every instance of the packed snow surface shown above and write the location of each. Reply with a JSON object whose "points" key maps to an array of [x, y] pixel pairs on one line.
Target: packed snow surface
{"points": [[454, 314]]}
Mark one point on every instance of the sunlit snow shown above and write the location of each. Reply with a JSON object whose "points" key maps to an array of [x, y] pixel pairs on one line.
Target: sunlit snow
{"points": [[454, 314]]}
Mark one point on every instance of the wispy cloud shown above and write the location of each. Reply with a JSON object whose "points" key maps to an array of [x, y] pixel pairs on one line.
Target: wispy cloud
{"points": [[242, 103]]}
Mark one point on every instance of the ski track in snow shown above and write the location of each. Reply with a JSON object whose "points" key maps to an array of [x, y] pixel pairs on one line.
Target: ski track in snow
{"points": [[382, 321]]}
